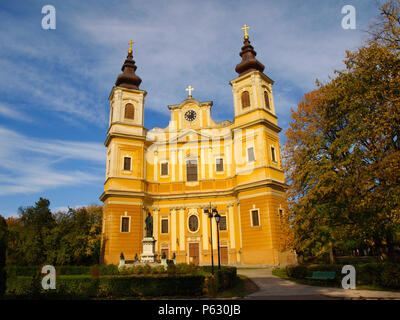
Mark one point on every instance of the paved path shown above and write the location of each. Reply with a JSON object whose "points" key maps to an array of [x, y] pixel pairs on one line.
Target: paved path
{"points": [[275, 288]]}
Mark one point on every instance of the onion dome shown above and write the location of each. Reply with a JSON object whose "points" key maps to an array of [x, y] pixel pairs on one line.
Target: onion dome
{"points": [[128, 78], [249, 61]]}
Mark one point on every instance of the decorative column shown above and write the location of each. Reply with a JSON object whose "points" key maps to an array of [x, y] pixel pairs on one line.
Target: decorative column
{"points": [[180, 165], [205, 222], [173, 230], [240, 232], [155, 226], [155, 166], [181, 229], [231, 218]]}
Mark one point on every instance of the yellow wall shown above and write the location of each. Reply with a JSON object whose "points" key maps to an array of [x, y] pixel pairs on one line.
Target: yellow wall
{"points": [[239, 188]]}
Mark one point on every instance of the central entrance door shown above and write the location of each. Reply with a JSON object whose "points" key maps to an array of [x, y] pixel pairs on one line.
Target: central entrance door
{"points": [[194, 253]]}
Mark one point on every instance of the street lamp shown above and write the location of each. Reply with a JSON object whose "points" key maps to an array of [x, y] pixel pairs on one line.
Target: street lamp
{"points": [[217, 219], [210, 215]]}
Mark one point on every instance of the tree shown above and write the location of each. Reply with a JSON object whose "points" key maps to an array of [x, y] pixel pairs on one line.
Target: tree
{"points": [[38, 236], [342, 152], [3, 250]]}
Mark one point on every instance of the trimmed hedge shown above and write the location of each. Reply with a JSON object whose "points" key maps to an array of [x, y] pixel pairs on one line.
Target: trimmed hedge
{"points": [[84, 286], [15, 270], [383, 274], [77, 282], [221, 280]]}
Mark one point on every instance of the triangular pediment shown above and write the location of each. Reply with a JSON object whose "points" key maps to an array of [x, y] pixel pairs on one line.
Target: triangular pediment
{"points": [[190, 135]]}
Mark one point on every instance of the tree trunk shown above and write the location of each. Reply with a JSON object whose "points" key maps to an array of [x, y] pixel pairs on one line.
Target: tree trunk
{"points": [[332, 259]]}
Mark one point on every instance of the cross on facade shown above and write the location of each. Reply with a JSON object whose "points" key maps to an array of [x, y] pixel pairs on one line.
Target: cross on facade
{"points": [[130, 46], [246, 36], [190, 89]]}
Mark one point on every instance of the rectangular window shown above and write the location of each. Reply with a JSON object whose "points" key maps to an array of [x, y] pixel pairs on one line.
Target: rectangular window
{"points": [[164, 225], [125, 224], [222, 224], [273, 154], [164, 168], [255, 218], [219, 164], [127, 163], [250, 154], [191, 170]]}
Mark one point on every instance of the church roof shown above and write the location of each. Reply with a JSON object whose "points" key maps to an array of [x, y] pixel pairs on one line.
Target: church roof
{"points": [[249, 62], [128, 78]]}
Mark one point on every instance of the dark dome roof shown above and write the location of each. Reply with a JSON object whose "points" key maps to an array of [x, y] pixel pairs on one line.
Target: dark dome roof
{"points": [[249, 61], [128, 78]]}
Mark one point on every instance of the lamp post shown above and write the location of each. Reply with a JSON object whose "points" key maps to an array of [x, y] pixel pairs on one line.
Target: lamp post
{"points": [[217, 219], [210, 215]]}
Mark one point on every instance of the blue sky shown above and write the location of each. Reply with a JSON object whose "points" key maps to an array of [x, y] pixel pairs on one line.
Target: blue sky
{"points": [[54, 84]]}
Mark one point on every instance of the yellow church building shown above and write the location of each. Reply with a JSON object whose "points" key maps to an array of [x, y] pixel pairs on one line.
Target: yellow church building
{"points": [[176, 173]]}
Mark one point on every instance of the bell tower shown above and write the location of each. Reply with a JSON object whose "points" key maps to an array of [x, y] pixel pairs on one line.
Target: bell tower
{"points": [[252, 89], [127, 100], [123, 189]]}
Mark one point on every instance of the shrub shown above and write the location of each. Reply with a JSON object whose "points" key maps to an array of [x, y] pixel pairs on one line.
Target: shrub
{"points": [[95, 272], [147, 269], [390, 276], [221, 280], [84, 286], [110, 269], [184, 268], [369, 273], [15, 270], [158, 270], [3, 250], [297, 272], [73, 270], [171, 269]]}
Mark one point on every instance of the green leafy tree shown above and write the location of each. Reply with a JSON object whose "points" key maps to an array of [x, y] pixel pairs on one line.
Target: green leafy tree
{"points": [[342, 152], [38, 236], [3, 250]]}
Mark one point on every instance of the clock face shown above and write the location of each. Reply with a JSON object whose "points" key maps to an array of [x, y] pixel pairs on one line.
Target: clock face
{"points": [[190, 115]]}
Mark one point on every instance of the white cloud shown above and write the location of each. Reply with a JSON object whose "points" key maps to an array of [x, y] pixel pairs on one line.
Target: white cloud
{"points": [[29, 165], [10, 112]]}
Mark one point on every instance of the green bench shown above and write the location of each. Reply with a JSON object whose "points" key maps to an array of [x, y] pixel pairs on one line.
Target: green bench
{"points": [[322, 275]]}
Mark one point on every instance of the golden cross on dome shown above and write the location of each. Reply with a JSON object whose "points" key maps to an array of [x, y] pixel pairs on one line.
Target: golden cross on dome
{"points": [[246, 36], [130, 46], [190, 89]]}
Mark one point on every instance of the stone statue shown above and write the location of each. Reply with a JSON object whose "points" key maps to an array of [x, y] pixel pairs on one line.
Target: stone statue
{"points": [[149, 225]]}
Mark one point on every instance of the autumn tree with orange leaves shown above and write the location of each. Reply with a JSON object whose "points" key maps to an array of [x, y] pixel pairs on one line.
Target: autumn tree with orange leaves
{"points": [[342, 155]]}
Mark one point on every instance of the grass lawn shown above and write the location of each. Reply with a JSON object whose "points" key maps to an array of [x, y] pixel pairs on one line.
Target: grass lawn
{"points": [[281, 273]]}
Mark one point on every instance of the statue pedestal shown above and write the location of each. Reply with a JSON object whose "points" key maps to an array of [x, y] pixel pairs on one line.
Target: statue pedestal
{"points": [[148, 254]]}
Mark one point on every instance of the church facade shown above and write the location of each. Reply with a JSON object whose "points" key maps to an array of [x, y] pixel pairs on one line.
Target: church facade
{"points": [[176, 173]]}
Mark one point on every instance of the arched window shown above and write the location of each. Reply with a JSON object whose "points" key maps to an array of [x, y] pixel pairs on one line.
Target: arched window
{"points": [[245, 99], [193, 223], [129, 111], [266, 99]]}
